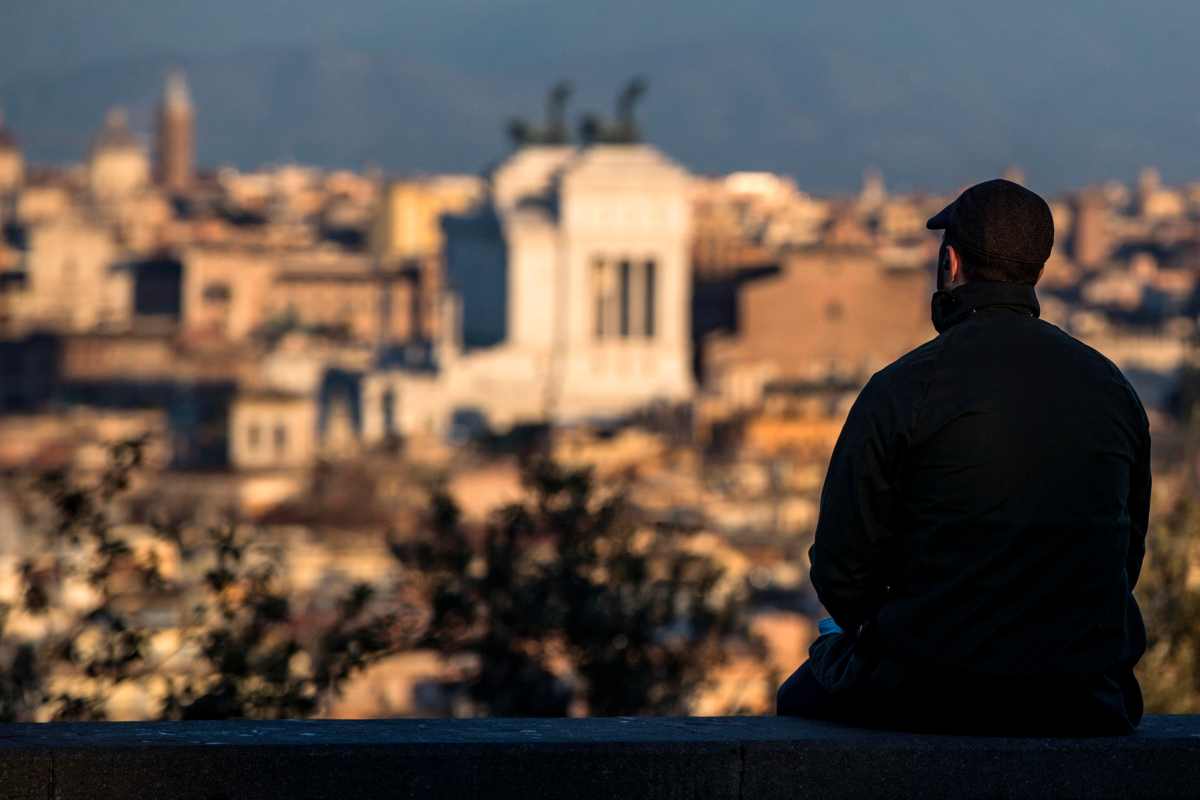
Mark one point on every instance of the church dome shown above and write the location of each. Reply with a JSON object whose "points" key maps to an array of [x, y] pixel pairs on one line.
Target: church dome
{"points": [[115, 135]]}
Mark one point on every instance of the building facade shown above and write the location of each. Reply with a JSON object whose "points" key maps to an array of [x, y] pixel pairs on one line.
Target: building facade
{"points": [[272, 430], [230, 293], [74, 280], [570, 289], [831, 313], [408, 222]]}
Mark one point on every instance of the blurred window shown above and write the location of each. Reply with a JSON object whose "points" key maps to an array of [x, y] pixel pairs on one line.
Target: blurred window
{"points": [[389, 412], [217, 292], [602, 297], [649, 278], [625, 274]]}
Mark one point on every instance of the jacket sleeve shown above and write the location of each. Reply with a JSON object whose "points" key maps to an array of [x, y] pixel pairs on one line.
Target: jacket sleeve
{"points": [[855, 524], [1139, 501]]}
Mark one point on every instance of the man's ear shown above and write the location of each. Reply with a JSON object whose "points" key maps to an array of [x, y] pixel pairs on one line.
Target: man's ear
{"points": [[956, 266]]}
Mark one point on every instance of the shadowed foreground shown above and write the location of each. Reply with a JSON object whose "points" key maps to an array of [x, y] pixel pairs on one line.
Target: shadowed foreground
{"points": [[761, 758]]}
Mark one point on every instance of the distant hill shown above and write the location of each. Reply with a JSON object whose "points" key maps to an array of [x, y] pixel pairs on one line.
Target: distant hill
{"points": [[819, 109], [326, 106]]}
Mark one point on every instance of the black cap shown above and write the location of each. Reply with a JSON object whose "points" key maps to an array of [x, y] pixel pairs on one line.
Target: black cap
{"points": [[998, 220]]}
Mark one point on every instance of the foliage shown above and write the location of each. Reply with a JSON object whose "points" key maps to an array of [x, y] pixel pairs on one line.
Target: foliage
{"points": [[1170, 601], [565, 605], [194, 615], [1169, 588], [561, 604]]}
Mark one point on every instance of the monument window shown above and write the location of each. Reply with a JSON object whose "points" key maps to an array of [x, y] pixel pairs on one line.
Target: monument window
{"points": [[649, 278], [253, 434], [625, 271], [280, 439], [624, 298], [605, 298], [598, 298]]}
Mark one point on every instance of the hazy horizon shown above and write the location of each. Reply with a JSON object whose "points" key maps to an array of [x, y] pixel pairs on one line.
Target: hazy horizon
{"points": [[939, 97]]}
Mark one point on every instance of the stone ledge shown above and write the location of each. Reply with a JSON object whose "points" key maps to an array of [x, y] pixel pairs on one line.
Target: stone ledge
{"points": [[757, 758]]}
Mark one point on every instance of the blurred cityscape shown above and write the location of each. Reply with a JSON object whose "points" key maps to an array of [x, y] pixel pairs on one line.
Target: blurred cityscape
{"points": [[308, 351]]}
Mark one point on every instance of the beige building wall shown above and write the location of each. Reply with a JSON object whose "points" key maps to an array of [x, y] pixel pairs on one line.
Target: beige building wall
{"points": [[149, 356], [41, 204], [12, 169], [140, 220], [273, 431], [129, 356], [407, 232], [349, 302], [226, 291], [408, 224], [230, 292], [74, 281], [837, 312], [1090, 243], [367, 305], [533, 244], [398, 403]]}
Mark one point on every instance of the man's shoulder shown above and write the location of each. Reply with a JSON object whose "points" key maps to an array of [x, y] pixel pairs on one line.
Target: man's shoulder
{"points": [[913, 365], [925, 357], [900, 385], [914, 371], [1083, 353], [1097, 361]]}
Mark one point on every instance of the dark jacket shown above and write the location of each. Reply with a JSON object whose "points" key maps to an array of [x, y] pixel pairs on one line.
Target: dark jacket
{"points": [[983, 520]]}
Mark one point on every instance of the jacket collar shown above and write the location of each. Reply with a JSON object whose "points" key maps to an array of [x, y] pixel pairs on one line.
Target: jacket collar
{"points": [[951, 308]]}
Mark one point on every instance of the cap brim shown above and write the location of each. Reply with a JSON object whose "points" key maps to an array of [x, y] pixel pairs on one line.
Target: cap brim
{"points": [[941, 220]]}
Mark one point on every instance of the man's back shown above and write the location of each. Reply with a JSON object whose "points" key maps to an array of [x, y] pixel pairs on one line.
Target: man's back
{"points": [[985, 510]]}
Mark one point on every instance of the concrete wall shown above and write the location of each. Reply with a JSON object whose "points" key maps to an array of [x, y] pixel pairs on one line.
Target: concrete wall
{"points": [[762, 758]]}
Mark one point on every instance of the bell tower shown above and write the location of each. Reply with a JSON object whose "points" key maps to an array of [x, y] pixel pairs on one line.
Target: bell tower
{"points": [[175, 136]]}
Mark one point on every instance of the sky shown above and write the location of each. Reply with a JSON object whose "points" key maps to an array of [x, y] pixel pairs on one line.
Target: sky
{"points": [[934, 93]]}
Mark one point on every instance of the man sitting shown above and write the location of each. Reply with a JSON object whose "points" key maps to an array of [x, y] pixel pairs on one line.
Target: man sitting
{"points": [[983, 519]]}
